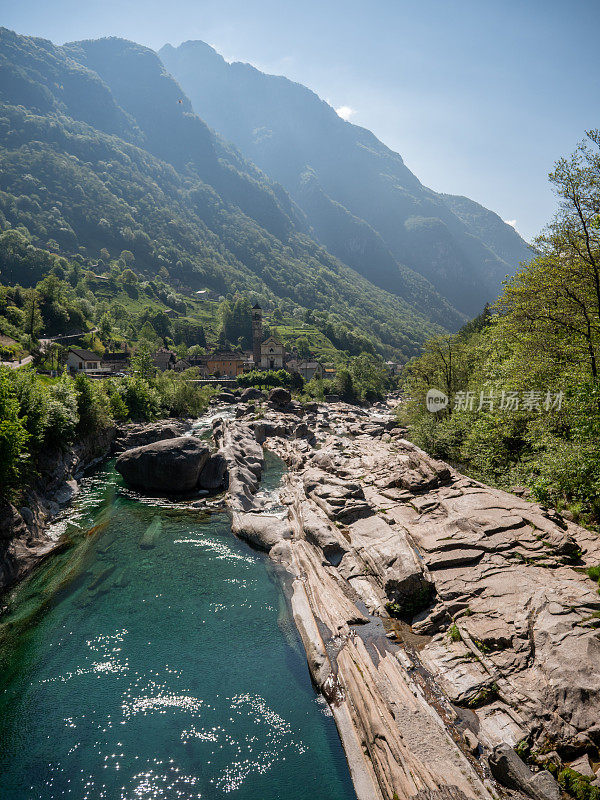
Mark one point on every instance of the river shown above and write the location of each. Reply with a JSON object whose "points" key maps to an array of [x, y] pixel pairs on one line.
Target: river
{"points": [[155, 659]]}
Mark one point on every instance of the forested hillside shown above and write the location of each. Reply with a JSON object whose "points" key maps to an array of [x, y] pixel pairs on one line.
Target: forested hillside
{"points": [[523, 381], [100, 151], [362, 201]]}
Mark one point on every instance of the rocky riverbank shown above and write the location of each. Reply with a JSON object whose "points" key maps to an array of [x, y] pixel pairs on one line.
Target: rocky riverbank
{"points": [[448, 625], [446, 622], [24, 540]]}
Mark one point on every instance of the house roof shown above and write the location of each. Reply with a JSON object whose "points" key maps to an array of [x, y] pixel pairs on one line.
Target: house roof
{"points": [[84, 355], [224, 356], [309, 364], [163, 357]]}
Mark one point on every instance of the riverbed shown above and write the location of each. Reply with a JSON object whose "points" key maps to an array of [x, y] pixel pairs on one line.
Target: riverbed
{"points": [[155, 658]]}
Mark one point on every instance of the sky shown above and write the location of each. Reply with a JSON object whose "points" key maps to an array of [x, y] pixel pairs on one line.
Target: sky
{"points": [[480, 97]]}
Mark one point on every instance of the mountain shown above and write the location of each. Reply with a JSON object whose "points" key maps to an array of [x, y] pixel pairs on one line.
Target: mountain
{"points": [[100, 150], [359, 197]]}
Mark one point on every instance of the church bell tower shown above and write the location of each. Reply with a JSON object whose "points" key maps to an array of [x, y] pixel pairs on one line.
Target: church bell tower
{"points": [[256, 334]]}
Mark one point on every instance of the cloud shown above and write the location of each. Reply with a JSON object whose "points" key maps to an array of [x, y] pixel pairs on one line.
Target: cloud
{"points": [[511, 222], [345, 112]]}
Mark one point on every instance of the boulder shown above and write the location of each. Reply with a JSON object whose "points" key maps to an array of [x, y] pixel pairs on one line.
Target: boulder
{"points": [[512, 772], [171, 466], [214, 473], [227, 397], [261, 530], [251, 393], [279, 396], [135, 435]]}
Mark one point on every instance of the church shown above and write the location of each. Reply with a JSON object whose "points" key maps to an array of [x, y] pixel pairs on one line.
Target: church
{"points": [[269, 354]]}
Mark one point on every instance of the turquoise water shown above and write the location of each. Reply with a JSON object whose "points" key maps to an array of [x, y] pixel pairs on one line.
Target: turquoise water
{"points": [[156, 659]]}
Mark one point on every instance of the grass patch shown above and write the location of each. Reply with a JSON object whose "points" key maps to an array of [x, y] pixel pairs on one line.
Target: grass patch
{"points": [[454, 633]]}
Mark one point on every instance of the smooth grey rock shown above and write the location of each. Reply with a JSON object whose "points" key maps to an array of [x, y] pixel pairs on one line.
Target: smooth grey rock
{"points": [[261, 530], [512, 772], [214, 472], [136, 435], [172, 465]]}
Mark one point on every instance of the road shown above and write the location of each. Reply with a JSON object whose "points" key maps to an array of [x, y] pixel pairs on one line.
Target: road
{"points": [[17, 364]]}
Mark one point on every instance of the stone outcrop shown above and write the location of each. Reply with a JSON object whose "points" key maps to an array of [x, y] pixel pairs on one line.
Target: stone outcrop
{"points": [[513, 773], [484, 593], [24, 540], [170, 466], [213, 475], [244, 459], [138, 434]]}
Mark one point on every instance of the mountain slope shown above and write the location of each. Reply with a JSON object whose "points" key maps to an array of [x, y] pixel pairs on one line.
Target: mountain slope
{"points": [[288, 131], [156, 181]]}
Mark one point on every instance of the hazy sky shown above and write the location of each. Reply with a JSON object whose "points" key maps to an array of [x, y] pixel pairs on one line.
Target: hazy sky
{"points": [[480, 97]]}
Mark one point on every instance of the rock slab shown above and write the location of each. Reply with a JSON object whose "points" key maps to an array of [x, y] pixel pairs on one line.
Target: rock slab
{"points": [[170, 466]]}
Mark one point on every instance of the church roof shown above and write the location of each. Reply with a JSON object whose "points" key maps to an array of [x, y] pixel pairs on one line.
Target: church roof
{"points": [[271, 340], [256, 306]]}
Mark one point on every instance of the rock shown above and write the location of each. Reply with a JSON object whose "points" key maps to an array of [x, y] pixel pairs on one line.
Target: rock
{"points": [[512, 772], [171, 466], [279, 397], [214, 473], [252, 393], [12, 523], [135, 435], [583, 766], [244, 458], [227, 397], [323, 535], [66, 492], [27, 515], [471, 741], [303, 431], [261, 530]]}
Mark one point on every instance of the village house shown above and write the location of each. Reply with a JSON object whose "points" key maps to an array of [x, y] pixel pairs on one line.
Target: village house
{"points": [[115, 362], [164, 360], [310, 369], [82, 360], [227, 364]]}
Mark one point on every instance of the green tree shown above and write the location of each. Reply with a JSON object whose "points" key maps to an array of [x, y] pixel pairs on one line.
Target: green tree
{"points": [[142, 363], [13, 435], [303, 347]]}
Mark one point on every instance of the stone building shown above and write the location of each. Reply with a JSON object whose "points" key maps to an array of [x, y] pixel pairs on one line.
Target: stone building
{"points": [[272, 354], [225, 364], [256, 334]]}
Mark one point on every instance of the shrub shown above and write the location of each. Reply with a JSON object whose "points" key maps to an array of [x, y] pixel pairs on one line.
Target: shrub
{"points": [[62, 416], [13, 434]]}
